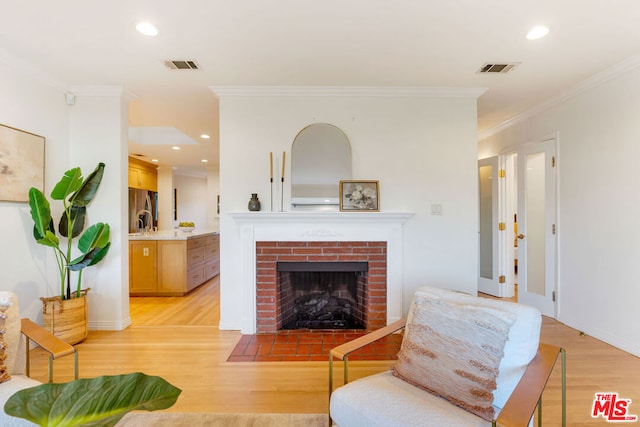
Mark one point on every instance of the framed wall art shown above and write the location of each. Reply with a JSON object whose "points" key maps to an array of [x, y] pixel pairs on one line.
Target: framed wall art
{"points": [[21, 164], [359, 196]]}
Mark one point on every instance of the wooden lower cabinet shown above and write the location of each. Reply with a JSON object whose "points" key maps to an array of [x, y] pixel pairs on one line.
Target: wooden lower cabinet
{"points": [[172, 266], [182, 265], [212, 256], [143, 274]]}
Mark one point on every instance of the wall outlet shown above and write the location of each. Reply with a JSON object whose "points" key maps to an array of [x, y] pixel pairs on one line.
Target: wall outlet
{"points": [[436, 209]]}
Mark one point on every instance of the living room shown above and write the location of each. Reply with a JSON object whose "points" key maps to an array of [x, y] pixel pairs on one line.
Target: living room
{"points": [[423, 150]]}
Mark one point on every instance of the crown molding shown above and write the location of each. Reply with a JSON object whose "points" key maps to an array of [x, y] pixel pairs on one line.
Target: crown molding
{"points": [[351, 91], [11, 60], [101, 91], [590, 83]]}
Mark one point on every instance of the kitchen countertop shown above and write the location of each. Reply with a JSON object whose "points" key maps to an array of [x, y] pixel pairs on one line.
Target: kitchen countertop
{"points": [[171, 235]]}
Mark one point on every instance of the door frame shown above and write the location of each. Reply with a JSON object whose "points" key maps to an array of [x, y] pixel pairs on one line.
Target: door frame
{"points": [[491, 286], [548, 307], [508, 204]]}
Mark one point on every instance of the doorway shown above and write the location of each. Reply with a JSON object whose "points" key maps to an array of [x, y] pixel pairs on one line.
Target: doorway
{"points": [[518, 226], [537, 225]]}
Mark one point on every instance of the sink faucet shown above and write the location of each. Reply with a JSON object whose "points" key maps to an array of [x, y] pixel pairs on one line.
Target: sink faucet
{"points": [[145, 212]]}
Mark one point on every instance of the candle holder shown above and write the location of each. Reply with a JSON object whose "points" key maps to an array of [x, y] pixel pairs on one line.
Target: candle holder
{"points": [[284, 153], [271, 180]]}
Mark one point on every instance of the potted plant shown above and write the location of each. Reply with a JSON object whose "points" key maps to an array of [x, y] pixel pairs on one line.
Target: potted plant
{"points": [[65, 315]]}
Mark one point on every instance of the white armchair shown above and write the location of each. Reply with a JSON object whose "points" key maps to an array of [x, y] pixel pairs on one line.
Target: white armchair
{"points": [[445, 367], [16, 335]]}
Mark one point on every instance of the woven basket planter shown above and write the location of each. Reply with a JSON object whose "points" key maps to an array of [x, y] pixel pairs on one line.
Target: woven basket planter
{"points": [[66, 319]]}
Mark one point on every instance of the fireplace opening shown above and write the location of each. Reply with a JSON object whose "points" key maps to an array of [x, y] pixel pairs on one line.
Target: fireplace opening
{"points": [[322, 295]]}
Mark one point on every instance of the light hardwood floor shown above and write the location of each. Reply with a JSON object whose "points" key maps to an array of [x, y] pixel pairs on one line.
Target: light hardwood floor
{"points": [[177, 339]]}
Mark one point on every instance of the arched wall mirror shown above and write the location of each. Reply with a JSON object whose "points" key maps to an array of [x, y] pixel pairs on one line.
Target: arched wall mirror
{"points": [[320, 158]]}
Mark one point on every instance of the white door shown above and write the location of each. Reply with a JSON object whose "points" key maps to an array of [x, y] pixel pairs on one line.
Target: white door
{"points": [[537, 226], [488, 274]]}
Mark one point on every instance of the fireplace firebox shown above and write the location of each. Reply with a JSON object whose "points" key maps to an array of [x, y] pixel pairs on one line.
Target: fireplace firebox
{"points": [[322, 295]]}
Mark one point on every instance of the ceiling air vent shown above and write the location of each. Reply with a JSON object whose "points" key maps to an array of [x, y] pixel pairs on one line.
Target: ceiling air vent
{"points": [[500, 68], [181, 65]]}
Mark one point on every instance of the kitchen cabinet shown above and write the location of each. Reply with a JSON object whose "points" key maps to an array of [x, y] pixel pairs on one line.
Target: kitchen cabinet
{"points": [[142, 175], [143, 273], [180, 264]]}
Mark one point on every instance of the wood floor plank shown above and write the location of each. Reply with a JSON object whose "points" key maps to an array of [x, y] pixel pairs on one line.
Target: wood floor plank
{"points": [[177, 338]]}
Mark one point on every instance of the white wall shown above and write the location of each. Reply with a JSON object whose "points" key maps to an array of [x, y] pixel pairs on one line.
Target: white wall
{"points": [[81, 135], [213, 191], [193, 199], [165, 198], [598, 206], [29, 104], [423, 150], [99, 133]]}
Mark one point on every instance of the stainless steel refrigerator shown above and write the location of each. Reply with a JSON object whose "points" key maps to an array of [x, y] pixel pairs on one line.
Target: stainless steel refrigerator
{"points": [[143, 210]]}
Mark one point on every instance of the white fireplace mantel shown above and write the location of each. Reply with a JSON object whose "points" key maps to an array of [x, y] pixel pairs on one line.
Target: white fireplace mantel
{"points": [[319, 226], [321, 216]]}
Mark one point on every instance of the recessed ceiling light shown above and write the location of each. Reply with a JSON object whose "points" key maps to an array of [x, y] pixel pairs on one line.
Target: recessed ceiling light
{"points": [[147, 28], [175, 147], [204, 136], [537, 32], [154, 160], [204, 161]]}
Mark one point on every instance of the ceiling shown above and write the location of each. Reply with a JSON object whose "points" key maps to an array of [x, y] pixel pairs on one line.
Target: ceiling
{"points": [[440, 43]]}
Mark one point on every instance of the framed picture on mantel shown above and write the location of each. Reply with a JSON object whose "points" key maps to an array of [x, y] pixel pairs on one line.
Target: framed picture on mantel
{"points": [[359, 196], [21, 164]]}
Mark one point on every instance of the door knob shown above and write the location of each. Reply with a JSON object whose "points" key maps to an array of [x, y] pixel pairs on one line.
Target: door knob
{"points": [[521, 236]]}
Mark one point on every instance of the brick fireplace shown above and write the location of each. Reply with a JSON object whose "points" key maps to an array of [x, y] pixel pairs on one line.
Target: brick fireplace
{"points": [[335, 234], [273, 310]]}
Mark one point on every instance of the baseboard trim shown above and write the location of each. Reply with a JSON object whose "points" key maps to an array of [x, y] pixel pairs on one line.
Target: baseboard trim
{"points": [[605, 336], [110, 326]]}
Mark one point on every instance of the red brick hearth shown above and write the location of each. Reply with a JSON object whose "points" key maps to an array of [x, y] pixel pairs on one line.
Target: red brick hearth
{"points": [[310, 345], [268, 316]]}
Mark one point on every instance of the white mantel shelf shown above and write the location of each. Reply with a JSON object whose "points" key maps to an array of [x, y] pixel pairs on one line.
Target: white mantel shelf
{"points": [[320, 217], [319, 226]]}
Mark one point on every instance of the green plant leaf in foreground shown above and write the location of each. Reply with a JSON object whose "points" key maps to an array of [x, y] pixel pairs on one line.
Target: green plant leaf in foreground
{"points": [[100, 401]]}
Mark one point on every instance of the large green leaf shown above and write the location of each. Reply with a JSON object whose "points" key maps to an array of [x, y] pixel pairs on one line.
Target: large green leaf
{"points": [[94, 245], [98, 254], [100, 401], [78, 214], [40, 211], [70, 182], [89, 187], [96, 236], [91, 258], [49, 239]]}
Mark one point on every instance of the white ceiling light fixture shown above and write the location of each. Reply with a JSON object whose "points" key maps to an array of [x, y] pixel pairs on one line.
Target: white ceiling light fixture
{"points": [[204, 136], [147, 28], [154, 160], [175, 147], [537, 32], [204, 161]]}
